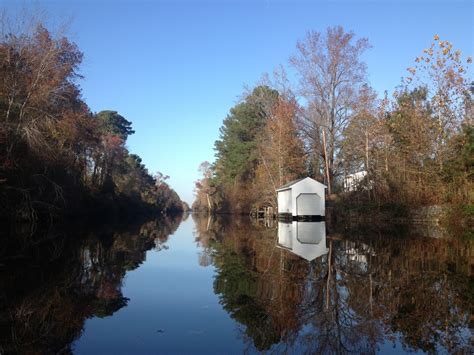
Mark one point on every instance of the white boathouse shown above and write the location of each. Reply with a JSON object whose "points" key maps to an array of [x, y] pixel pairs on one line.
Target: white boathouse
{"points": [[302, 198]]}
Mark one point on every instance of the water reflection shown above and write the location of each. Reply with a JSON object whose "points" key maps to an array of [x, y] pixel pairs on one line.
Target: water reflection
{"points": [[288, 288], [45, 300], [360, 293], [305, 239]]}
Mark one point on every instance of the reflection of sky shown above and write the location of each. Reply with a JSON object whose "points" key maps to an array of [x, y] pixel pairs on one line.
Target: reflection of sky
{"points": [[173, 308], [168, 292]]}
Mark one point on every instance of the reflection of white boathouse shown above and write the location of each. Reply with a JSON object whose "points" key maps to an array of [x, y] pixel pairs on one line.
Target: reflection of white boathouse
{"points": [[301, 199], [305, 239]]}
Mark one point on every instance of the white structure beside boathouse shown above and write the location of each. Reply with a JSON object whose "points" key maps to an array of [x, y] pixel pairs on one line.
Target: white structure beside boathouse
{"points": [[303, 197]]}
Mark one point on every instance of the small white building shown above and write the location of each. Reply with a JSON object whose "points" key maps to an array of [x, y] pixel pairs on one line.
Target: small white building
{"points": [[303, 197], [352, 181], [305, 239]]}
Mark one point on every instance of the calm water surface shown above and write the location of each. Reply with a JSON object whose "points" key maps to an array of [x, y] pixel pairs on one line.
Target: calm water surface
{"points": [[203, 285]]}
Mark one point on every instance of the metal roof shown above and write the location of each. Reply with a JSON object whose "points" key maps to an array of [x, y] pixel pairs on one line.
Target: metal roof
{"points": [[288, 185]]}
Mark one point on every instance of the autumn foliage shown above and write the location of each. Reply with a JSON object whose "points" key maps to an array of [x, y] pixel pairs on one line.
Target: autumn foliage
{"points": [[56, 156], [412, 149]]}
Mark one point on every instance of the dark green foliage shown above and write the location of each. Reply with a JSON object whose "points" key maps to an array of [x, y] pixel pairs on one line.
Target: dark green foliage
{"points": [[115, 124], [237, 155], [461, 162], [236, 149]]}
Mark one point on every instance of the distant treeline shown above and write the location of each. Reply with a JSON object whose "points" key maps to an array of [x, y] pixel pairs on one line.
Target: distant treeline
{"points": [[416, 148], [58, 158]]}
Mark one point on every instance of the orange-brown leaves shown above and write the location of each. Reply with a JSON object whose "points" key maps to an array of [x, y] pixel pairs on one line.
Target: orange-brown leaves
{"points": [[281, 152]]}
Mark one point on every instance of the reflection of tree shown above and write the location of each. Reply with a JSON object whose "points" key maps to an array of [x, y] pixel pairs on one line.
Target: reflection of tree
{"points": [[238, 287], [254, 279], [388, 289], [43, 307], [422, 290], [365, 292], [207, 230], [336, 327]]}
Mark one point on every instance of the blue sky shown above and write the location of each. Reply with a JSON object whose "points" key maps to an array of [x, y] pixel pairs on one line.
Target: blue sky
{"points": [[175, 68]]}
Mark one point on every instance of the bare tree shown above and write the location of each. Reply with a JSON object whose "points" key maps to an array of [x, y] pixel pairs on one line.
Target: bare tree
{"points": [[362, 135], [331, 71]]}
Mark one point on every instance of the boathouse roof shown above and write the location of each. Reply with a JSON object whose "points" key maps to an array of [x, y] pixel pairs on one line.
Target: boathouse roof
{"points": [[294, 182]]}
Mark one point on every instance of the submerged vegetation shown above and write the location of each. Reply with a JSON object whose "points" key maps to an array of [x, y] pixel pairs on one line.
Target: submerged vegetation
{"points": [[57, 158], [413, 149]]}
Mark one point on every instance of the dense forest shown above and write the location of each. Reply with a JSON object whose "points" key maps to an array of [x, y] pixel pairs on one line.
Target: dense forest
{"points": [[57, 157], [413, 149]]}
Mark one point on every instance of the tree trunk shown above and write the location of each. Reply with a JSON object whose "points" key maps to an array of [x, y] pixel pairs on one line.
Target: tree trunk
{"points": [[367, 161], [209, 205], [329, 275], [326, 163]]}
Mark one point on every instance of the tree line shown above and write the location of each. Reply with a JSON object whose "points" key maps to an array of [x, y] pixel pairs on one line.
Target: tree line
{"points": [[57, 157], [415, 148]]}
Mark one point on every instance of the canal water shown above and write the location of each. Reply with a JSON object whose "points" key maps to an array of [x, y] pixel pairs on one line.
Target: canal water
{"points": [[195, 284]]}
